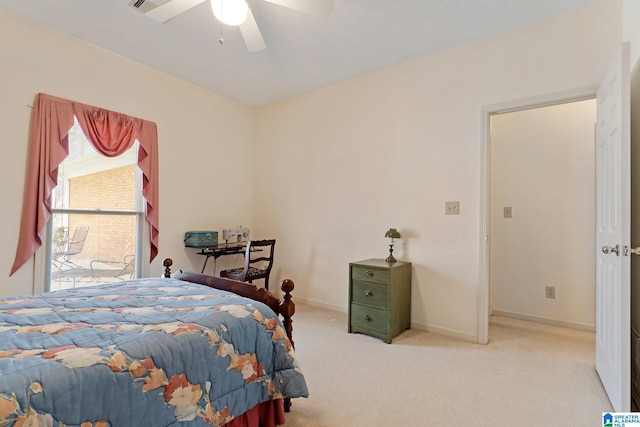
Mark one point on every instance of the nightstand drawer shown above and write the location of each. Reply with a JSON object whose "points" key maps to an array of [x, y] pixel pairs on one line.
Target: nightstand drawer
{"points": [[369, 318], [370, 293], [369, 274]]}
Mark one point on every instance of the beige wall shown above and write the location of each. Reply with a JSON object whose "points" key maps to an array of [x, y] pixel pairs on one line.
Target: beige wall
{"points": [[197, 131], [340, 165], [632, 33], [635, 198], [543, 167], [333, 168]]}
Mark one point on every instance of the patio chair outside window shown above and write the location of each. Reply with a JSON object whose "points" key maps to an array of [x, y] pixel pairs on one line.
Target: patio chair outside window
{"points": [[72, 246], [120, 270]]}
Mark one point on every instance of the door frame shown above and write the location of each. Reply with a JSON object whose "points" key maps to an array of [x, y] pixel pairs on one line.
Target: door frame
{"points": [[557, 98]]}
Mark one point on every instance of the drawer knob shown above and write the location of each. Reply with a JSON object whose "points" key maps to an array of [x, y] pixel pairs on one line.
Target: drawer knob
{"points": [[367, 318], [368, 273], [367, 292]]}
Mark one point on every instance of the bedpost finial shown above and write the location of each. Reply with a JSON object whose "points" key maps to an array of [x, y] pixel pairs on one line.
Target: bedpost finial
{"points": [[287, 286]]}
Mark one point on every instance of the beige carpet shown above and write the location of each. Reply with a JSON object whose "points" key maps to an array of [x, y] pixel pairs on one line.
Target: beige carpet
{"points": [[529, 375]]}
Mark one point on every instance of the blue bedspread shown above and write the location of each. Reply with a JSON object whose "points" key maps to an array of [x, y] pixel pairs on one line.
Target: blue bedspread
{"points": [[147, 352]]}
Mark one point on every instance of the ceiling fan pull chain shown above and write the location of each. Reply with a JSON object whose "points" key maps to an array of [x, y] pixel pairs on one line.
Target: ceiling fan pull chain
{"points": [[221, 40]]}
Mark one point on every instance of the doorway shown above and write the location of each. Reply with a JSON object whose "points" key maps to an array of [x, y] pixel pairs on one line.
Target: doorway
{"points": [[523, 196], [542, 215]]}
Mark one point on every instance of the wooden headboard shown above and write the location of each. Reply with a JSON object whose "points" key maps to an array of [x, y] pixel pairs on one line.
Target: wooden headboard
{"points": [[285, 308]]}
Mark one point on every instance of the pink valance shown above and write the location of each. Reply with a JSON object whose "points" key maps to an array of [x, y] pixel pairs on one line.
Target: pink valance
{"points": [[109, 132]]}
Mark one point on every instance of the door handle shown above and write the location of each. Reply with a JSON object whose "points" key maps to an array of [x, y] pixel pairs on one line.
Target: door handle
{"points": [[609, 249]]}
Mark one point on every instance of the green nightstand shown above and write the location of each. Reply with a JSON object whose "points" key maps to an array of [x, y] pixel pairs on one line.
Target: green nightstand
{"points": [[379, 298]]}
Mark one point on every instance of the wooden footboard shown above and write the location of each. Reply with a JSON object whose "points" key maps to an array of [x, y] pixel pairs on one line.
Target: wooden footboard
{"points": [[285, 308]]}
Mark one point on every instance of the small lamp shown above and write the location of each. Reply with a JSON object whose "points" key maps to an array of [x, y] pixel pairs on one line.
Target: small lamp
{"points": [[392, 234]]}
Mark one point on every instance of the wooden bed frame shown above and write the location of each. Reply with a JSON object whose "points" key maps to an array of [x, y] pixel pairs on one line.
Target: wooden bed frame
{"points": [[285, 309]]}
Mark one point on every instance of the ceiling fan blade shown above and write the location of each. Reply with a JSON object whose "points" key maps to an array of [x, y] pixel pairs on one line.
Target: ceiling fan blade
{"points": [[251, 34], [172, 8], [312, 7]]}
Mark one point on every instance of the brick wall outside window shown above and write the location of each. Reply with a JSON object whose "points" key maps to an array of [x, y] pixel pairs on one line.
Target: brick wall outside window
{"points": [[110, 237]]}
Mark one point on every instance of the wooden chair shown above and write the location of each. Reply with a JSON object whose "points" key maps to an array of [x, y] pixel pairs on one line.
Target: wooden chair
{"points": [[258, 260]]}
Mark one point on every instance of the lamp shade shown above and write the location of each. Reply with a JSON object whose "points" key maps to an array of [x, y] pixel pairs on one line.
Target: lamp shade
{"points": [[392, 233], [230, 12]]}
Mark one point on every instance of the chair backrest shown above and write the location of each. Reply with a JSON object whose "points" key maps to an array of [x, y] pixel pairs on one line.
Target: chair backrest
{"points": [[129, 266], [76, 243], [259, 254]]}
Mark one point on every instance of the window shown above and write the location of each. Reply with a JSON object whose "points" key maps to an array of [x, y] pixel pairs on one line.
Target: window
{"points": [[97, 217], [111, 133]]}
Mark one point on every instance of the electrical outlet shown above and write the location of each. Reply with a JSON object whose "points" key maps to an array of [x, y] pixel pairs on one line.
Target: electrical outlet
{"points": [[551, 292], [452, 208], [508, 212]]}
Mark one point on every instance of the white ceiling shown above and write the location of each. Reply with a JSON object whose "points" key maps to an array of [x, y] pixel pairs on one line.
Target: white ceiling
{"points": [[303, 52]]}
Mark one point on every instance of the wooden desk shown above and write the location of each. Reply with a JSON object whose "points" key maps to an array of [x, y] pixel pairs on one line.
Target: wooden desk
{"points": [[221, 249]]}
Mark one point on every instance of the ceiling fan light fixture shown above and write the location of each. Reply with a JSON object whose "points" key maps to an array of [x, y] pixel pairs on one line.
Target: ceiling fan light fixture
{"points": [[230, 12]]}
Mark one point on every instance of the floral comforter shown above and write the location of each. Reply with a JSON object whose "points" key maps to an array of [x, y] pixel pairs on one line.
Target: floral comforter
{"points": [[146, 352]]}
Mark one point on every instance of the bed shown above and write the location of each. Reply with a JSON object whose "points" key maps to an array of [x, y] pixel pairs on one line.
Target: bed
{"points": [[181, 350]]}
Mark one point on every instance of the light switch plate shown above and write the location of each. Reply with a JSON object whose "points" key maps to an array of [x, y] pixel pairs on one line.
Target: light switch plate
{"points": [[452, 208], [508, 212]]}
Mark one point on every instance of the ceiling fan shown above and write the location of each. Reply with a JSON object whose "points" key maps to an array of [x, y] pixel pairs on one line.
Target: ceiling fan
{"points": [[231, 12]]}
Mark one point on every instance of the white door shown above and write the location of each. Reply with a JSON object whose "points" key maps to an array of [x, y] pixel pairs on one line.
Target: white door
{"points": [[613, 322]]}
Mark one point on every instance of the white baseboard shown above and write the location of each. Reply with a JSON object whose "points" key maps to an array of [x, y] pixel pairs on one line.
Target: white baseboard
{"points": [[463, 336], [545, 320], [319, 304], [414, 325]]}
